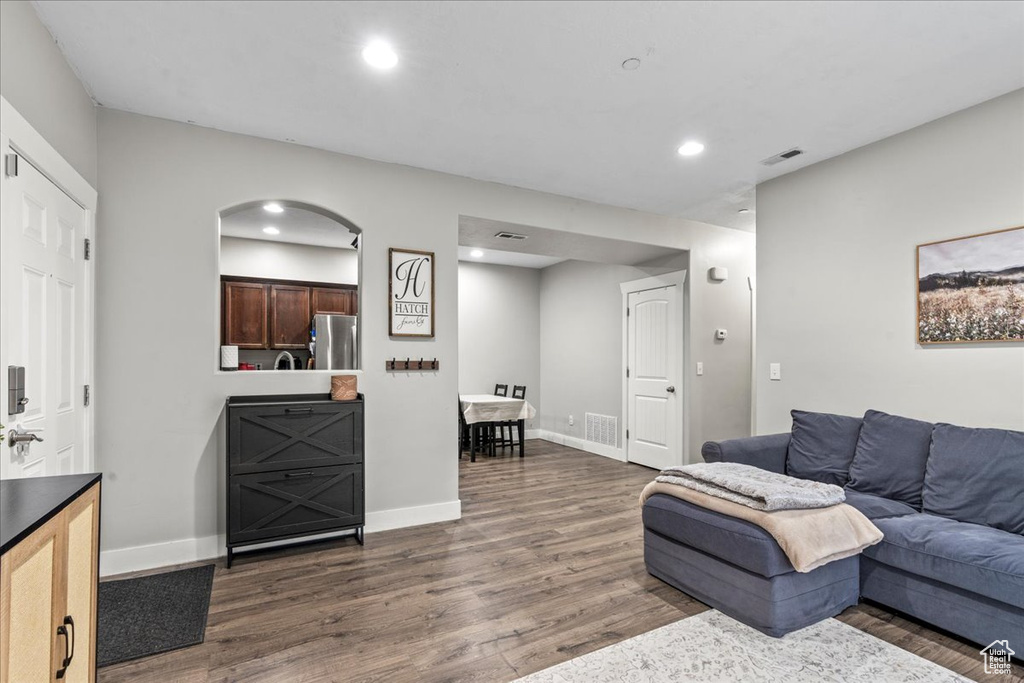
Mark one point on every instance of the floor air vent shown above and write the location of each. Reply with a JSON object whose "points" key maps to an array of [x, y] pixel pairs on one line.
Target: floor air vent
{"points": [[779, 158], [603, 429]]}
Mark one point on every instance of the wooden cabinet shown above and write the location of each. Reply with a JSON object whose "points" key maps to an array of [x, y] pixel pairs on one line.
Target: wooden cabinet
{"points": [[335, 301], [48, 588], [295, 468], [244, 313], [276, 314], [289, 317]]}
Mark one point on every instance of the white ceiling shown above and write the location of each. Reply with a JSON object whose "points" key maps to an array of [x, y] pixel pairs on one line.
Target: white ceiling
{"points": [[532, 94], [297, 226], [544, 247]]}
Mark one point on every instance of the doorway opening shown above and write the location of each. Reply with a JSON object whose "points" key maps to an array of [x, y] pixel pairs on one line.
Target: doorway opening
{"points": [[543, 309]]}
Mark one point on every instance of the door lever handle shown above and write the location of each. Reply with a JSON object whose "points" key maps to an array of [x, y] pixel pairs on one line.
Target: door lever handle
{"points": [[671, 390], [15, 437]]}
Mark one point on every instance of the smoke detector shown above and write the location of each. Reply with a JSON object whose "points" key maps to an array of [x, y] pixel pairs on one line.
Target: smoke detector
{"points": [[782, 156], [510, 236]]}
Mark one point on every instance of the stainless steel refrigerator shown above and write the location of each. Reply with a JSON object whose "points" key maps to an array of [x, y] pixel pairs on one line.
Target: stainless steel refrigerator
{"points": [[334, 342]]}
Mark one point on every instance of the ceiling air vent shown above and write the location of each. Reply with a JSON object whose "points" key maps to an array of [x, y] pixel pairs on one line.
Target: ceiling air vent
{"points": [[779, 158], [510, 236]]}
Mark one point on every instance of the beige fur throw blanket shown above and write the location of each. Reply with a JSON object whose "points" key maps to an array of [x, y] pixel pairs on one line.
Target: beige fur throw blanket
{"points": [[810, 538]]}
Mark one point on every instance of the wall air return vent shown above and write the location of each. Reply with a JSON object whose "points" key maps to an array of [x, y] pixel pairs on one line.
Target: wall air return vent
{"points": [[779, 158], [510, 236], [602, 429]]}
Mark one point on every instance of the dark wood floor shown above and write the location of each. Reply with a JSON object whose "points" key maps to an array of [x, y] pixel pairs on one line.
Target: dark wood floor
{"points": [[545, 565]]}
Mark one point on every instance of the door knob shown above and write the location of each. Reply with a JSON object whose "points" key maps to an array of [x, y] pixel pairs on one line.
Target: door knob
{"points": [[671, 390]]}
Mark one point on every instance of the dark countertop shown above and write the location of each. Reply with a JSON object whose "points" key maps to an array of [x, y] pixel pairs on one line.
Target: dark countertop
{"points": [[27, 504], [284, 399]]}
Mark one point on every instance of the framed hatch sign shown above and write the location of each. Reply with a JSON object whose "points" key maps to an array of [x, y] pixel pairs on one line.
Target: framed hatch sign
{"points": [[410, 293]]}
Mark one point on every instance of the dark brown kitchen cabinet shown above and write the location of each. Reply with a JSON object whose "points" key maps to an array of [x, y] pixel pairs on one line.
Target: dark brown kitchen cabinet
{"points": [[289, 317], [245, 315], [334, 301], [276, 314]]}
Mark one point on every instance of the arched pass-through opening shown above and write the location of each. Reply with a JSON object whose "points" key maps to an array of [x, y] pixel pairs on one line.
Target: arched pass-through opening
{"points": [[289, 288]]}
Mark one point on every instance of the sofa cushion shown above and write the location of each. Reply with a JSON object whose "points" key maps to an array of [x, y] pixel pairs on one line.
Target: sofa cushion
{"points": [[822, 446], [734, 540], [876, 507], [976, 475], [972, 557], [890, 457]]}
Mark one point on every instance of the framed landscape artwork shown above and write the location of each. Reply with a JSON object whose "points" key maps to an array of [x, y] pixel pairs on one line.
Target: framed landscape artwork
{"points": [[971, 289], [410, 293]]}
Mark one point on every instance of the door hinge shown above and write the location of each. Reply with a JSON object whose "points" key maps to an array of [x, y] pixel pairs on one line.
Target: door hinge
{"points": [[11, 165], [627, 372], [627, 435], [86, 395], [627, 311], [88, 249]]}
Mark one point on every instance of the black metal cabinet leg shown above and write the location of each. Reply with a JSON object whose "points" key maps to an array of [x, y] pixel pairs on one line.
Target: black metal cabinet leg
{"points": [[359, 535], [521, 426], [231, 556]]}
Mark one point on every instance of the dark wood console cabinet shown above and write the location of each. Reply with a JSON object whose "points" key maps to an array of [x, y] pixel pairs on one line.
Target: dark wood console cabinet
{"points": [[295, 468]]}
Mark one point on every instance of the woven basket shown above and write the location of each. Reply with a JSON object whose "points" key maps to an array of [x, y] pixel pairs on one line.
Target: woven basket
{"points": [[343, 388]]}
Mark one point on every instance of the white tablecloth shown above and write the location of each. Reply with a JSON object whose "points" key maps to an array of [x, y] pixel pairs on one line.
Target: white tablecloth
{"points": [[488, 408]]}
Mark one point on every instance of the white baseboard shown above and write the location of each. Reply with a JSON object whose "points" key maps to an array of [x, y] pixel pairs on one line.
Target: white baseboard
{"points": [[170, 553], [582, 444], [141, 557]]}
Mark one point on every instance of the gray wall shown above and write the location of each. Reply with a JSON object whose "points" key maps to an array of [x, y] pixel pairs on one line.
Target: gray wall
{"points": [[499, 329], [37, 81], [836, 265], [581, 344], [159, 425]]}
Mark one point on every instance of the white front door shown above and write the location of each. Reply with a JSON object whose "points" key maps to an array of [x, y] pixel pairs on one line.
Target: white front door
{"points": [[654, 391], [42, 293]]}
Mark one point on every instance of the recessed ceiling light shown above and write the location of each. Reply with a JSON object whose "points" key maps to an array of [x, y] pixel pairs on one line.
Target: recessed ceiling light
{"points": [[743, 211], [690, 148], [271, 230], [631, 64], [273, 207], [476, 253], [379, 55]]}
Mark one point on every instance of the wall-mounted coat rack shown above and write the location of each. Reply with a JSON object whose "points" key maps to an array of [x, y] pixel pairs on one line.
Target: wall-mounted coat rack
{"points": [[396, 365]]}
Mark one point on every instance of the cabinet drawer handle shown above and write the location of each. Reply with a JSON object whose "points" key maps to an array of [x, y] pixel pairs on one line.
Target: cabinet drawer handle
{"points": [[289, 475], [299, 410], [69, 644]]}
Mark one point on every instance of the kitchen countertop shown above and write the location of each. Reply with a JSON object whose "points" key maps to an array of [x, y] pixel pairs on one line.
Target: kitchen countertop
{"points": [[27, 504]]}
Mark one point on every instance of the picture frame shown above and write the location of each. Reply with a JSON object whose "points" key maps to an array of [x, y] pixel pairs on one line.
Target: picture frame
{"points": [[410, 293], [971, 289]]}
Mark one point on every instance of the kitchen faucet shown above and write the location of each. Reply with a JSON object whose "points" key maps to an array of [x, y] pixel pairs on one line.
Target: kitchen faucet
{"points": [[287, 356]]}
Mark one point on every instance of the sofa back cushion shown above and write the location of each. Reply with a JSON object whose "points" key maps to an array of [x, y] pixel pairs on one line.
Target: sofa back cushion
{"points": [[890, 457], [821, 446], [976, 475]]}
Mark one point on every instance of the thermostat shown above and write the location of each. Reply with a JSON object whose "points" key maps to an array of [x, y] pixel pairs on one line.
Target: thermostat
{"points": [[719, 274], [720, 333]]}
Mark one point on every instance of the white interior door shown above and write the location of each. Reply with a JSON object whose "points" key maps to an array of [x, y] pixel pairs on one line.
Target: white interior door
{"points": [[42, 292], [654, 392]]}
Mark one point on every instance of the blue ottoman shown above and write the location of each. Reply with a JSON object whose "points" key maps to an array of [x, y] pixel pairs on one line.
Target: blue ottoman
{"points": [[738, 568]]}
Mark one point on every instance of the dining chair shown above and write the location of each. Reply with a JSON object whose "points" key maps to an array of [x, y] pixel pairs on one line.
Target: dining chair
{"points": [[518, 391]]}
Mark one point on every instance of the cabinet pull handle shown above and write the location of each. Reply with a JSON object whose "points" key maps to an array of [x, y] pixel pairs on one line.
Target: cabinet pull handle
{"points": [[299, 410], [289, 475], [69, 644]]}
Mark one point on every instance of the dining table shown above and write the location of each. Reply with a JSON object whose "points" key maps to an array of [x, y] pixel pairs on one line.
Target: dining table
{"points": [[484, 409]]}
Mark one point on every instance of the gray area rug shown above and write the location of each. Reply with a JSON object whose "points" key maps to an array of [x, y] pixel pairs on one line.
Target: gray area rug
{"points": [[152, 614], [713, 647]]}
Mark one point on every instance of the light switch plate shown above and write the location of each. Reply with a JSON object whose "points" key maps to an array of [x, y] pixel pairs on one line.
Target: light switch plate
{"points": [[700, 368], [775, 372]]}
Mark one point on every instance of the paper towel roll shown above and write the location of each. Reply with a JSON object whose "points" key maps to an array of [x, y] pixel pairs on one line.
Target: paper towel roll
{"points": [[229, 358]]}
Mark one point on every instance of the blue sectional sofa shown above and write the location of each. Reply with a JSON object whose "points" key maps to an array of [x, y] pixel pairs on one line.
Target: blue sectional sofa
{"points": [[949, 500]]}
